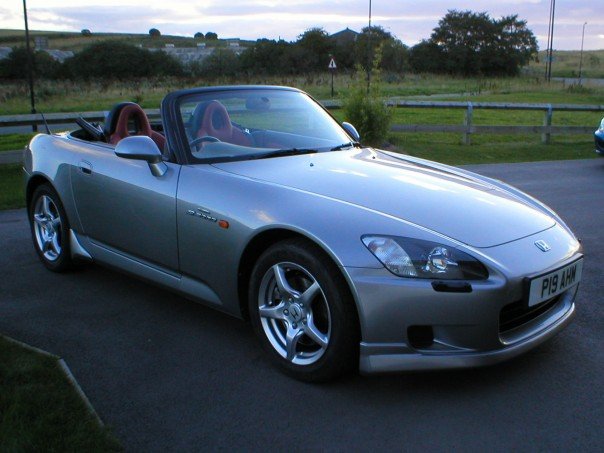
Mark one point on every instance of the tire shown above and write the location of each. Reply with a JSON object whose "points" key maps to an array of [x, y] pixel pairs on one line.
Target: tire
{"points": [[50, 229], [303, 313]]}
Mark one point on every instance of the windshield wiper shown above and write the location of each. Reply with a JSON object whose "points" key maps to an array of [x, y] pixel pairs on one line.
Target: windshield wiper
{"points": [[287, 152], [346, 145]]}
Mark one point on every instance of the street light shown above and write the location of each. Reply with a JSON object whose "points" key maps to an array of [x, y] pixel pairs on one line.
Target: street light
{"points": [[30, 67], [369, 62], [581, 58], [550, 41]]}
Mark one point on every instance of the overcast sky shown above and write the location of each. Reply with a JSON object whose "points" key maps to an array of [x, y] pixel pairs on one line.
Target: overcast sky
{"points": [[409, 20]]}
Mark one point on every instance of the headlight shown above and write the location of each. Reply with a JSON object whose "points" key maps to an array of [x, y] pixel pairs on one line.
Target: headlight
{"points": [[407, 257]]}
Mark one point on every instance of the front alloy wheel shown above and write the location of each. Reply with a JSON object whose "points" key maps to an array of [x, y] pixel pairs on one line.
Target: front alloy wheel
{"points": [[302, 311], [294, 313]]}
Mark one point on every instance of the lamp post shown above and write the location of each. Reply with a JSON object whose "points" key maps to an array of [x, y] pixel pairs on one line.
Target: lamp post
{"points": [[550, 41], [369, 62], [30, 67], [581, 58]]}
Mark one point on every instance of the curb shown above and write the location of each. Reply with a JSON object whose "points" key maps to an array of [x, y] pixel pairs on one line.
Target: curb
{"points": [[66, 372], [79, 391]]}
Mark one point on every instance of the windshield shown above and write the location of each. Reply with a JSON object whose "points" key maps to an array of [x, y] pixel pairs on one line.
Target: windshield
{"points": [[257, 123]]}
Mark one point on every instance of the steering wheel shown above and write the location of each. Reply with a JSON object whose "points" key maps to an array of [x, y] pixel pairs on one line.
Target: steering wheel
{"points": [[205, 138]]}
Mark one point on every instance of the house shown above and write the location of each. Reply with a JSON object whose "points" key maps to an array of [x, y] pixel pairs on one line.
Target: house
{"points": [[345, 36]]}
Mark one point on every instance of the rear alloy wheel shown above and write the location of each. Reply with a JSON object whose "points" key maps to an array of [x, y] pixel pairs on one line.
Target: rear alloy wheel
{"points": [[303, 313], [49, 228]]}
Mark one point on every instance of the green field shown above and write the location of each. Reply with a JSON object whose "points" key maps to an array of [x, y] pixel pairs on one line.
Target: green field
{"points": [[67, 96], [566, 64]]}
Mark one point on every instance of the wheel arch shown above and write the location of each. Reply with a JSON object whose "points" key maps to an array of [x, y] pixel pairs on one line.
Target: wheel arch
{"points": [[35, 181], [259, 243]]}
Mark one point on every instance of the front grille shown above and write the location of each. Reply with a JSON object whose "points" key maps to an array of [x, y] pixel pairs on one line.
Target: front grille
{"points": [[518, 313]]}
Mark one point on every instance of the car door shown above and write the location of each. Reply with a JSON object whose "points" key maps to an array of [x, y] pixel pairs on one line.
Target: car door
{"points": [[123, 206]]}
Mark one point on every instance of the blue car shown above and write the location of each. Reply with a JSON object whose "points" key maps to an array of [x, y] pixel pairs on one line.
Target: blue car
{"points": [[599, 139]]}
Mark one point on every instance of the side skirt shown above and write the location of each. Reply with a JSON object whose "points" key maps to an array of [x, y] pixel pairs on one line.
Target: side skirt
{"points": [[87, 249]]}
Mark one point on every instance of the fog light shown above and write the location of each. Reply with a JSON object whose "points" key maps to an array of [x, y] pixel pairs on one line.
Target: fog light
{"points": [[420, 337]]}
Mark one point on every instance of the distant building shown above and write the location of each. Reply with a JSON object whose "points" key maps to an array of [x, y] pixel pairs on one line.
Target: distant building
{"points": [[346, 35], [5, 52], [41, 42], [186, 54], [59, 55]]}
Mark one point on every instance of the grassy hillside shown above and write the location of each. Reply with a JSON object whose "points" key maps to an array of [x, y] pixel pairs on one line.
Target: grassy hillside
{"points": [[566, 64], [76, 41]]}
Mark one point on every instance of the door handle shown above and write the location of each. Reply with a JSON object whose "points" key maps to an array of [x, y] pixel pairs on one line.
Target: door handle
{"points": [[85, 167]]}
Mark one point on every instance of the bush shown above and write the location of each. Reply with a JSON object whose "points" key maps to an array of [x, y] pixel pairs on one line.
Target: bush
{"points": [[15, 66], [366, 110], [115, 60]]}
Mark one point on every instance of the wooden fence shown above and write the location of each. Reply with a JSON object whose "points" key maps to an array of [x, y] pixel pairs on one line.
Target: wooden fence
{"points": [[467, 129]]}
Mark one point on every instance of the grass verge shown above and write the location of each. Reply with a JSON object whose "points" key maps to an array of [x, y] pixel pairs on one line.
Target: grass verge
{"points": [[489, 150], [40, 410], [11, 187], [11, 142]]}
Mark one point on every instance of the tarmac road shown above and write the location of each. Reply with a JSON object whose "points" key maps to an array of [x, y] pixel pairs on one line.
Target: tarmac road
{"points": [[171, 375]]}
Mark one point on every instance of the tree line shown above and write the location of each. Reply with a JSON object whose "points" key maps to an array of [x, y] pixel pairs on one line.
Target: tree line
{"points": [[464, 43]]}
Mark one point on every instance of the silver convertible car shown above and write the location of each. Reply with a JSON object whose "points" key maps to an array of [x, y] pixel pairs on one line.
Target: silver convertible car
{"points": [[254, 200]]}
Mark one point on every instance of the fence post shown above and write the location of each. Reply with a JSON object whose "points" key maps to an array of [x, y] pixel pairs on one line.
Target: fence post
{"points": [[467, 136], [547, 122]]}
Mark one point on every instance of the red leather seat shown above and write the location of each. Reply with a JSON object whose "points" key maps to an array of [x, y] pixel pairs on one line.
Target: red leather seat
{"points": [[133, 113], [217, 123]]}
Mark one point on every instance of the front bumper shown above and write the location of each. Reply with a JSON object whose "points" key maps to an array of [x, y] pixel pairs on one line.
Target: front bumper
{"points": [[375, 358], [460, 330]]}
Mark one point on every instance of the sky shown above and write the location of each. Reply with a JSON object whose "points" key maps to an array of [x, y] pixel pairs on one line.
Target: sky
{"points": [[409, 20]]}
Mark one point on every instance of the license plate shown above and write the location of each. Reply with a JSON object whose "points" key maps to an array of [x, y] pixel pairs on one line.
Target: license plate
{"points": [[550, 285]]}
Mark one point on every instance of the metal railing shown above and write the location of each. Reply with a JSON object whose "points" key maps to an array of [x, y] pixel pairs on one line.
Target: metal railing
{"points": [[467, 129]]}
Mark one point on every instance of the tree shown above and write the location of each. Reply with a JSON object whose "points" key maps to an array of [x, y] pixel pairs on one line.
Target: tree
{"points": [[426, 56], [368, 42], [265, 57], [395, 56], [154, 33], [314, 48], [198, 35], [211, 36], [86, 32], [117, 60], [14, 66], [473, 43]]}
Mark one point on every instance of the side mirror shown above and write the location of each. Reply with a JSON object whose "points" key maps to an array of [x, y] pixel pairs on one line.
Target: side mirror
{"points": [[141, 147], [351, 131]]}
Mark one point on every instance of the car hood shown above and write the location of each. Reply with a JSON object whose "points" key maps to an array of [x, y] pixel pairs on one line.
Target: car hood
{"points": [[463, 208]]}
